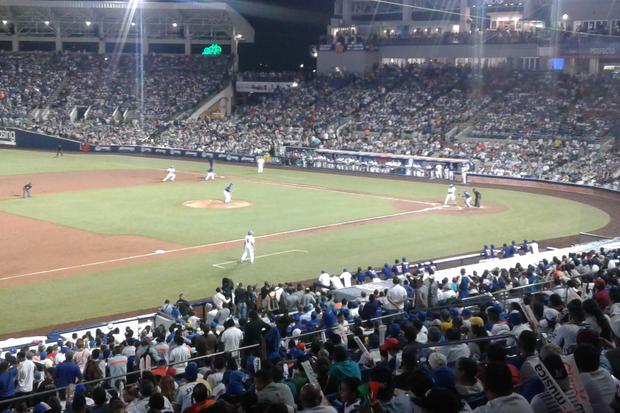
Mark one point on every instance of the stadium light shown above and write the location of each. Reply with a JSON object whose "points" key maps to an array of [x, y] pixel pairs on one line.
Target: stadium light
{"points": [[88, 23], [301, 66], [565, 17], [238, 36], [174, 24], [47, 22], [5, 22]]}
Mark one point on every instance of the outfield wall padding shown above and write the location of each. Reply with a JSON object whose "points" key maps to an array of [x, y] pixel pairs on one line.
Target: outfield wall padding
{"points": [[34, 140]]}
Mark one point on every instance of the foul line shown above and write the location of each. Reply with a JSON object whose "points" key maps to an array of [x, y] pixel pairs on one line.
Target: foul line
{"points": [[235, 241], [219, 265]]}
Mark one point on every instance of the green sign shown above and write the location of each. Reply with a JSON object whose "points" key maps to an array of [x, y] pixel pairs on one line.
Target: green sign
{"points": [[213, 50]]}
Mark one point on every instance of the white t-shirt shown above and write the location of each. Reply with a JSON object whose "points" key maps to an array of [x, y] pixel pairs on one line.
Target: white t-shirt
{"points": [[336, 283], [601, 389], [179, 354], [396, 294], [325, 279], [183, 396], [25, 376], [260, 161], [231, 337], [346, 278]]}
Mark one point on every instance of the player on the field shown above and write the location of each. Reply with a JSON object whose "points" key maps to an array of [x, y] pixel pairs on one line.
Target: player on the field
{"points": [[211, 171], [451, 195], [26, 190], [248, 247], [260, 161], [228, 193], [477, 197], [171, 175], [467, 197], [59, 151]]}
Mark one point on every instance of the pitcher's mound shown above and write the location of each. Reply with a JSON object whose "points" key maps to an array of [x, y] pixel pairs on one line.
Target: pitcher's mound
{"points": [[216, 203]]}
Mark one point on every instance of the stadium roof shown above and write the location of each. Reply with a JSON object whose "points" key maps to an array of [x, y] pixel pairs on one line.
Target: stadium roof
{"points": [[47, 18]]}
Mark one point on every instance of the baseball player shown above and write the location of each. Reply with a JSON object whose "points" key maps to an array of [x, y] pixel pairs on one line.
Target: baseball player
{"points": [[210, 172], [467, 197], [59, 151], [228, 193], [171, 175], [248, 247], [26, 190], [451, 195], [260, 161]]}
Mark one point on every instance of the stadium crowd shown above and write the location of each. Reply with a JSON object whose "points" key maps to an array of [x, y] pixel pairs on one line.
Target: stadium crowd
{"points": [[534, 125], [262, 349]]}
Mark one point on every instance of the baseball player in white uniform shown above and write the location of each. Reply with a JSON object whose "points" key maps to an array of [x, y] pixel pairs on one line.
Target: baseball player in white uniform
{"points": [[260, 161], [248, 247], [171, 175], [210, 173], [228, 193], [451, 195]]}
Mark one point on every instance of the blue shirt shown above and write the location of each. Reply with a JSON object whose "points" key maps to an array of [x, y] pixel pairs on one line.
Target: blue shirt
{"points": [[66, 373], [8, 382]]}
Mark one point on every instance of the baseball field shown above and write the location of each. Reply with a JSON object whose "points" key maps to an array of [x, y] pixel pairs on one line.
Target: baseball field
{"points": [[102, 235]]}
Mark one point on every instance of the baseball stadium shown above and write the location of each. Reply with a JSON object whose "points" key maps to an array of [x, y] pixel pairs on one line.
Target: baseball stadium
{"points": [[397, 206]]}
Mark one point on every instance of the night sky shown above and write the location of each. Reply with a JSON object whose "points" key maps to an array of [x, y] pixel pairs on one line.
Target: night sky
{"points": [[284, 31]]}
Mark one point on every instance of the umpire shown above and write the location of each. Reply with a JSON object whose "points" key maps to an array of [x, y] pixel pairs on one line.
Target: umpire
{"points": [[477, 197]]}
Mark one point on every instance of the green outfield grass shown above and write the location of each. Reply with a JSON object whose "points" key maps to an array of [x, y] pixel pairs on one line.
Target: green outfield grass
{"points": [[155, 211]]}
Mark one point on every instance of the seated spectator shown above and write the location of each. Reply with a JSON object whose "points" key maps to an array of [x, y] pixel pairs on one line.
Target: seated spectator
{"points": [[598, 383], [499, 392], [269, 392]]}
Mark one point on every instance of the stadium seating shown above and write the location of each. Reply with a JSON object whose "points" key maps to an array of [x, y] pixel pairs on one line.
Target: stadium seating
{"points": [[310, 342]]}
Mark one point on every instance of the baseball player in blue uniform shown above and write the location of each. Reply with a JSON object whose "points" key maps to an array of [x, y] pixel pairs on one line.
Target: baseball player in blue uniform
{"points": [[248, 247], [228, 193]]}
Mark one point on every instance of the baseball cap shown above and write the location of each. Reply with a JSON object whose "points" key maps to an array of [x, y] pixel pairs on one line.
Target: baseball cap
{"points": [[80, 389], [191, 371], [476, 321], [390, 344], [599, 282], [551, 314]]}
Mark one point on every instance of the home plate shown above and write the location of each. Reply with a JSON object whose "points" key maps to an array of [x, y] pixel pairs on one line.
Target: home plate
{"points": [[160, 251]]}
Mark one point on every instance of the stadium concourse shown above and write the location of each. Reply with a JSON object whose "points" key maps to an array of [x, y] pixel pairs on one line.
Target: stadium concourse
{"points": [[529, 331], [520, 124]]}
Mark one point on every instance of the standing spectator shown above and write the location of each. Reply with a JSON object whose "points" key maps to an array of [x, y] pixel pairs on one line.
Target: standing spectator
{"points": [[25, 373], [67, 372], [231, 337], [241, 302], [179, 355], [200, 396], [117, 366], [396, 297], [82, 354], [8, 380]]}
